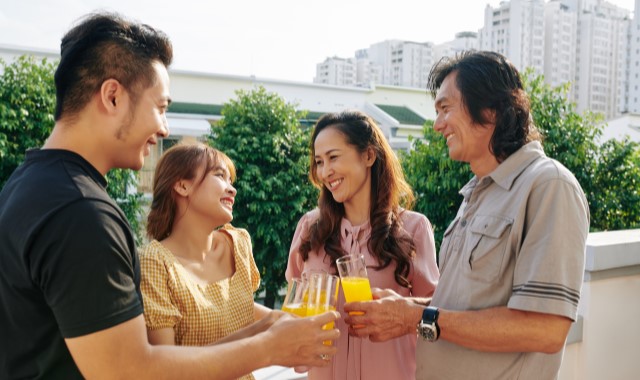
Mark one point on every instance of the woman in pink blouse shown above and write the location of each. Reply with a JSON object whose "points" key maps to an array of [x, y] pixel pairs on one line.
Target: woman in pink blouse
{"points": [[363, 208]]}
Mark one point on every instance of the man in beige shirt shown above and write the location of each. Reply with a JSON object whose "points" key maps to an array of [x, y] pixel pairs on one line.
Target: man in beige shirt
{"points": [[512, 260]]}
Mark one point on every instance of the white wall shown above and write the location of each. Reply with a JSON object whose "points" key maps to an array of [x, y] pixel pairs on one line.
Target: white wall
{"points": [[610, 309]]}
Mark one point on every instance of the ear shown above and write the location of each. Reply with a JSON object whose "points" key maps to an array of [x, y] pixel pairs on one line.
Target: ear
{"points": [[490, 116], [111, 96], [182, 187], [370, 157]]}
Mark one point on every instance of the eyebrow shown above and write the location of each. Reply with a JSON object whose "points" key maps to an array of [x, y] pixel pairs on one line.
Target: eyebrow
{"points": [[328, 152], [440, 101]]}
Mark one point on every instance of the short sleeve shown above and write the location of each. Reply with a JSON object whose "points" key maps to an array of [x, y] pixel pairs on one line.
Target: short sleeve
{"points": [[550, 267], [425, 270], [295, 264], [160, 311], [87, 269]]}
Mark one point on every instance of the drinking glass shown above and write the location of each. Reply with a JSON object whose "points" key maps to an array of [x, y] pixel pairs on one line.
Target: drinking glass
{"points": [[323, 296], [295, 301], [354, 279]]}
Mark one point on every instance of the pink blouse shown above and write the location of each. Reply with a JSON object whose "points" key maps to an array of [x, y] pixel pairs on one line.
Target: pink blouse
{"points": [[359, 358]]}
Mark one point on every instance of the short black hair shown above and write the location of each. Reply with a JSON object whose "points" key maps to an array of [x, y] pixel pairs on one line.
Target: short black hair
{"points": [[103, 46]]}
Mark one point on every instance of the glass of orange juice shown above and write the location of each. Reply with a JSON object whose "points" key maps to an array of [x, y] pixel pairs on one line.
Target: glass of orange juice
{"points": [[295, 301], [322, 296], [354, 279]]}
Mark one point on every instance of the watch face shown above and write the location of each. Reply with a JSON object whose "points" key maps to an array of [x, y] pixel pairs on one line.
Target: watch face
{"points": [[428, 332]]}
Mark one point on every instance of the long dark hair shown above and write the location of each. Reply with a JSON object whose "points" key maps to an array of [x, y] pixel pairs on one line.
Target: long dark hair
{"points": [[389, 194], [488, 81]]}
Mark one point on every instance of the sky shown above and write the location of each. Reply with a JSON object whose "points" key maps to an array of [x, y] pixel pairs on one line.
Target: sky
{"points": [[275, 39]]}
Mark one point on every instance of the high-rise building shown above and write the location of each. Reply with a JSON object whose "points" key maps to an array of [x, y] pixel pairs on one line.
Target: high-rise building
{"points": [[403, 63], [560, 35], [515, 29], [463, 41], [601, 58], [633, 98], [336, 71], [357, 72], [591, 44]]}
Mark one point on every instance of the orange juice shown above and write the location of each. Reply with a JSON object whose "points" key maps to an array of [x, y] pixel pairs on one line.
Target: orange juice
{"points": [[356, 289], [299, 309]]}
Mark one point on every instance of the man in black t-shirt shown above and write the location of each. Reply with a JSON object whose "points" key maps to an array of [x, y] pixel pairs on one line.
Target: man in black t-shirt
{"points": [[70, 305]]}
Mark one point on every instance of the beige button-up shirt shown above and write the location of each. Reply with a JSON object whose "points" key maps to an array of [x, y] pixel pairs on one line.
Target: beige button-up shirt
{"points": [[518, 240]]}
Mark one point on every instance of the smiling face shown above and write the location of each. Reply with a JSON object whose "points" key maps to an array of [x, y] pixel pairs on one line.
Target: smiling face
{"points": [[215, 195], [342, 169], [146, 122], [467, 141]]}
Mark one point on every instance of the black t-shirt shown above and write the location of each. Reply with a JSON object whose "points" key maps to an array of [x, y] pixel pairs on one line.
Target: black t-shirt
{"points": [[68, 264]]}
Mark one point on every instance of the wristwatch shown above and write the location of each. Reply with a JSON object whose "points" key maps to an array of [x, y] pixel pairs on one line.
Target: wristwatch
{"points": [[428, 327]]}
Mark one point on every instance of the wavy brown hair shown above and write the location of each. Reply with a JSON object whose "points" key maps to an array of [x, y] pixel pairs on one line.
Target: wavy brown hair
{"points": [[390, 193], [182, 161]]}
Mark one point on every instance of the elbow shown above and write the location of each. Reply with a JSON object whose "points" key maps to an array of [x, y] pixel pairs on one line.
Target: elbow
{"points": [[553, 345]]}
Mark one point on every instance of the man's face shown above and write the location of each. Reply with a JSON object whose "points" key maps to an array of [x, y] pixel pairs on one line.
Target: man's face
{"points": [[147, 122], [467, 141]]}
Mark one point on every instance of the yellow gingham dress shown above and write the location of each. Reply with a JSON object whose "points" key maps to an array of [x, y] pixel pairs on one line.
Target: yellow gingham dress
{"points": [[199, 314]]}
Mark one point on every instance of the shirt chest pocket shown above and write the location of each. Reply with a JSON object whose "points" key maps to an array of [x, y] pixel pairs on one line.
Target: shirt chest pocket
{"points": [[486, 247]]}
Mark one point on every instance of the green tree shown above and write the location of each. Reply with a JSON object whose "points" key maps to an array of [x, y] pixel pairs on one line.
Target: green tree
{"points": [[27, 104], [27, 101], [261, 133], [609, 173], [615, 201]]}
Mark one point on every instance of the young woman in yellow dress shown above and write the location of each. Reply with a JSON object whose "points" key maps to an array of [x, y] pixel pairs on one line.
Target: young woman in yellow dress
{"points": [[198, 272]]}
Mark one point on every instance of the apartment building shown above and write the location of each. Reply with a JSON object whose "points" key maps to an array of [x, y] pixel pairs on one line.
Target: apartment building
{"points": [[515, 29], [601, 58], [633, 64], [463, 41], [560, 38]]}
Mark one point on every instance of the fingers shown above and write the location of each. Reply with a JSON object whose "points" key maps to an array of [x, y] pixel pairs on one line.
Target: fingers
{"points": [[325, 318], [322, 358], [382, 293]]}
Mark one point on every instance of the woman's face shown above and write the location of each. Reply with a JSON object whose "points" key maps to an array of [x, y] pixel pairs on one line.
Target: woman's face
{"points": [[215, 195], [341, 168]]}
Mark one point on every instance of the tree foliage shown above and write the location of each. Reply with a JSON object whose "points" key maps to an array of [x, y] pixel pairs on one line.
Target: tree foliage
{"points": [[27, 101], [261, 133], [27, 104], [609, 173]]}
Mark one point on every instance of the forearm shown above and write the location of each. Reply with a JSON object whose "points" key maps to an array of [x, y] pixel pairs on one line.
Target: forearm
{"points": [[224, 361], [260, 311], [123, 352], [501, 329]]}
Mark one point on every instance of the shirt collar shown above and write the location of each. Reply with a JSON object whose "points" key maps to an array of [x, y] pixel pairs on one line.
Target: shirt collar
{"points": [[510, 169]]}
